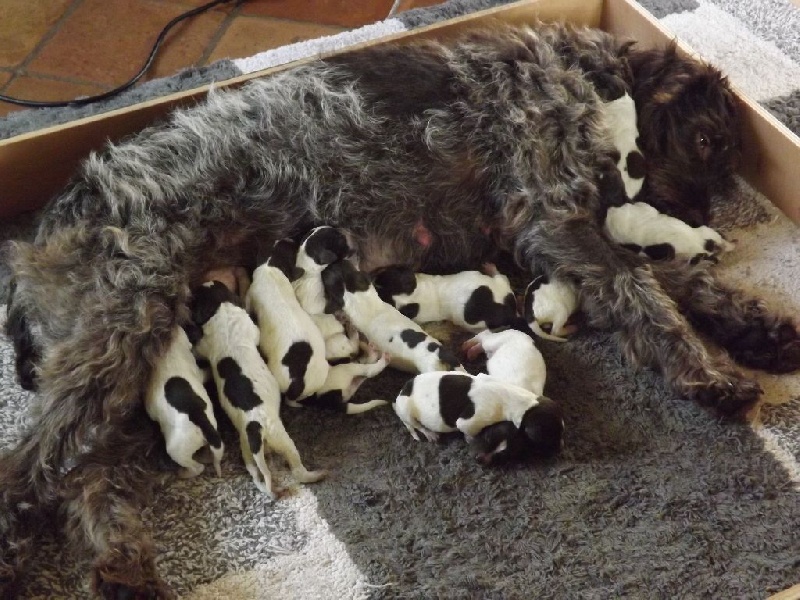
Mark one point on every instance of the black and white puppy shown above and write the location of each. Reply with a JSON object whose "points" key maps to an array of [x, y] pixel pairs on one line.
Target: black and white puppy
{"points": [[511, 356], [410, 348], [501, 443], [470, 299], [247, 389], [178, 402], [321, 247], [619, 118], [434, 403], [644, 230], [290, 340]]}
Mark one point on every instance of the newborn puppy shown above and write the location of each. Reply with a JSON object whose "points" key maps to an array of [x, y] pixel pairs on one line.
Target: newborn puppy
{"points": [[644, 230], [619, 117], [547, 306], [292, 343], [434, 403], [247, 389], [322, 246], [410, 348], [178, 402], [470, 299], [511, 357]]}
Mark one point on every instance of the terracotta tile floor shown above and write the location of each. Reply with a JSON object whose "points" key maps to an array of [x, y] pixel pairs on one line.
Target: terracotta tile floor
{"points": [[61, 49]]}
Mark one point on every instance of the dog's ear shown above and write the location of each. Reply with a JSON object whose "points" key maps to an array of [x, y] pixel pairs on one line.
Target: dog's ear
{"points": [[333, 283], [193, 332]]}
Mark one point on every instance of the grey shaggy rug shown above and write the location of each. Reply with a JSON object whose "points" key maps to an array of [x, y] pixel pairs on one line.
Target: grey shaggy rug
{"points": [[652, 497]]}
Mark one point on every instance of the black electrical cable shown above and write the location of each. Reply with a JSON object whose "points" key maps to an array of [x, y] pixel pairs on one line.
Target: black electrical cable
{"points": [[134, 79]]}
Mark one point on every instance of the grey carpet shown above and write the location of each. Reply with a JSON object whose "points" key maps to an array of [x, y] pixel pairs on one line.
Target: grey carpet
{"points": [[652, 497]]}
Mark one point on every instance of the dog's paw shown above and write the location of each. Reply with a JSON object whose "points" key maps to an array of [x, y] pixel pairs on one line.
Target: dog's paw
{"points": [[773, 347], [730, 397]]}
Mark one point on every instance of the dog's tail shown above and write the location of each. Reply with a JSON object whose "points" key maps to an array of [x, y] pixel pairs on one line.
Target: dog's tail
{"points": [[354, 408]]}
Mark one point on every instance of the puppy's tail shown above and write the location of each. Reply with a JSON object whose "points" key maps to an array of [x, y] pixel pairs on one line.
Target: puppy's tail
{"points": [[357, 408]]}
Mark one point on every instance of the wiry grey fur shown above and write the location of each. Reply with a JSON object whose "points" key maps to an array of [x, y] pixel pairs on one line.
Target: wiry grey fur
{"points": [[494, 141]]}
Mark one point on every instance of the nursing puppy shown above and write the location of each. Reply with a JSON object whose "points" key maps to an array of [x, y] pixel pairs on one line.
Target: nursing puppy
{"points": [[641, 228], [434, 403], [178, 402], [619, 117], [247, 389], [548, 304], [410, 348], [470, 299], [499, 127], [320, 247], [292, 344], [511, 356]]}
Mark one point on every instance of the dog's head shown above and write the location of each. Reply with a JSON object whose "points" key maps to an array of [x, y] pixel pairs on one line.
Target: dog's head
{"points": [[394, 281], [206, 300], [325, 245], [688, 121]]}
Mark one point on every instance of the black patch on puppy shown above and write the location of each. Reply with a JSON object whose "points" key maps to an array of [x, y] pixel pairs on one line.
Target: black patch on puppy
{"points": [[207, 300], [635, 248], [447, 357], [193, 331], [433, 346], [710, 246], [411, 338], [454, 400], [180, 395], [333, 284], [326, 245], [635, 165], [393, 281], [482, 307], [238, 387], [663, 251], [410, 310], [354, 280], [543, 424], [284, 257], [486, 445], [296, 360], [255, 436]]}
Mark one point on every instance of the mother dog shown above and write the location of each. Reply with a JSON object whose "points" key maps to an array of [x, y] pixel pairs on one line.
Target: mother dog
{"points": [[431, 155]]}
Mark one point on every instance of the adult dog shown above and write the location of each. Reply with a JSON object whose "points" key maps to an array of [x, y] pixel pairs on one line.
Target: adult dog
{"points": [[430, 155]]}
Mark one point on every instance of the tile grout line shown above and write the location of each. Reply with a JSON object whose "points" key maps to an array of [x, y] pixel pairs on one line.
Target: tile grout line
{"points": [[22, 67], [223, 27]]}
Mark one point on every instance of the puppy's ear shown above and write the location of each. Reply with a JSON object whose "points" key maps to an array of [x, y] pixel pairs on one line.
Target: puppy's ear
{"points": [[193, 332], [333, 283]]}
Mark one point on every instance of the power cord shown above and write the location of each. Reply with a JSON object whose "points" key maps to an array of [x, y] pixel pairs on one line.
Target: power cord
{"points": [[134, 79]]}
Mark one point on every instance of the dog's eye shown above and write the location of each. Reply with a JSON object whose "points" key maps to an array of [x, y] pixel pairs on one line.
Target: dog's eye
{"points": [[702, 140]]}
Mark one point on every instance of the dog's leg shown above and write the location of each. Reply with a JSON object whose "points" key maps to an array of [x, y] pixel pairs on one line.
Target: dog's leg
{"points": [[744, 326], [619, 292], [279, 442], [103, 508]]}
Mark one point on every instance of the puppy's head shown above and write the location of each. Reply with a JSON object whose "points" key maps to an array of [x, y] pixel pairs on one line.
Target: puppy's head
{"points": [[207, 299], [500, 443], [543, 425], [325, 245], [688, 120], [393, 281], [338, 278]]}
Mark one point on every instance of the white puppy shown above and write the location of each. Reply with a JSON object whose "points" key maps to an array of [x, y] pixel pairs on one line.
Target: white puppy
{"points": [[410, 348], [511, 357], [247, 389], [178, 402], [470, 299], [322, 246], [641, 228], [434, 403], [548, 305]]}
